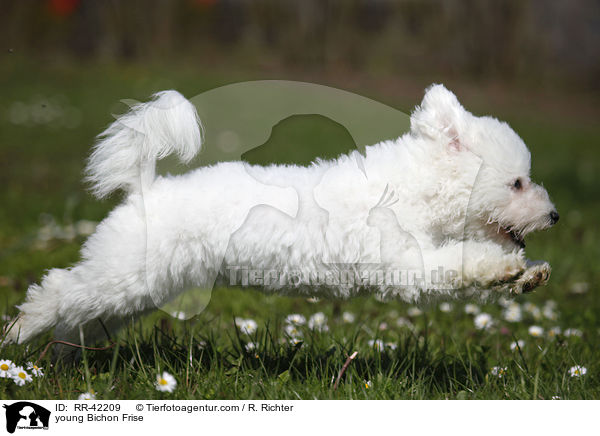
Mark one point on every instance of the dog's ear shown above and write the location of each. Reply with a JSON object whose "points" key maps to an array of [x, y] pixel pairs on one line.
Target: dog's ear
{"points": [[439, 117]]}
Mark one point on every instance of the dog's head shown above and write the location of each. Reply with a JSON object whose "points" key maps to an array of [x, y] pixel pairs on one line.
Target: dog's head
{"points": [[504, 202]]}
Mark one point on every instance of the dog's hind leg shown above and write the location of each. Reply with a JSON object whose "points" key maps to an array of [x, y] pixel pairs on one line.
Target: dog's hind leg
{"points": [[68, 298], [40, 311]]}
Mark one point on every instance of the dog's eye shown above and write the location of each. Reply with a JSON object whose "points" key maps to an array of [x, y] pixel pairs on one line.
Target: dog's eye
{"points": [[517, 185]]}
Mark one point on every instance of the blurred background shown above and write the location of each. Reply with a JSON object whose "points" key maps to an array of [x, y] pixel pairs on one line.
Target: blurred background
{"points": [[66, 64], [540, 43]]}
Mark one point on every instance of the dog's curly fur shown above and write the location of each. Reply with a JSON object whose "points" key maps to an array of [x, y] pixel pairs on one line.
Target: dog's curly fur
{"points": [[456, 195]]}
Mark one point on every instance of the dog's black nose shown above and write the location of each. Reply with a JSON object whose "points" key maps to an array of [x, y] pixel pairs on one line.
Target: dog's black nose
{"points": [[554, 216]]}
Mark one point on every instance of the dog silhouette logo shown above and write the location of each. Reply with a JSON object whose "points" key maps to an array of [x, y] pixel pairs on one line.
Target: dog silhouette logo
{"points": [[26, 415]]}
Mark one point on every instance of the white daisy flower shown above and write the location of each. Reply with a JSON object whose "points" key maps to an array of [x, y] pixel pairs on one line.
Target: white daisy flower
{"points": [[20, 376], [246, 326], [391, 345], [471, 309], [250, 346], [85, 227], [295, 319], [403, 322], [5, 367], [554, 331], [378, 344], [555, 397], [37, 371], [549, 313], [295, 341], [293, 331], [577, 371], [445, 307], [483, 321], [87, 396], [533, 310], [318, 322], [368, 384], [579, 288], [383, 326], [414, 311], [179, 315], [499, 371], [505, 302], [348, 317], [518, 344], [513, 313], [165, 382], [573, 332], [536, 331]]}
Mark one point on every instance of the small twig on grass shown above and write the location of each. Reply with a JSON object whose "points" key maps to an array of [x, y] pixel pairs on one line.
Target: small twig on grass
{"points": [[108, 347], [346, 364]]}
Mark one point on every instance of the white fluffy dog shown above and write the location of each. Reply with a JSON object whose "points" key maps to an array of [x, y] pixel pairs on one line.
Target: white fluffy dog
{"points": [[444, 208]]}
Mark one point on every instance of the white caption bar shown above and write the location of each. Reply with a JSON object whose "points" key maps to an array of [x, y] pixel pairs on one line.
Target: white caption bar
{"points": [[297, 417]]}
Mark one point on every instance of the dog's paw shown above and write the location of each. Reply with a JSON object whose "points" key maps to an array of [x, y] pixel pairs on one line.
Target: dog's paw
{"points": [[537, 274]]}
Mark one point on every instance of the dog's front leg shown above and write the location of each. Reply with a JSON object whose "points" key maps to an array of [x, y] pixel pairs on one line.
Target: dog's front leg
{"points": [[470, 264], [536, 274], [506, 271], [487, 266]]}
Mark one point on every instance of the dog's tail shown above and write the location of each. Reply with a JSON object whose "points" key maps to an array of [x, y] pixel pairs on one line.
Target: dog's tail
{"points": [[125, 155]]}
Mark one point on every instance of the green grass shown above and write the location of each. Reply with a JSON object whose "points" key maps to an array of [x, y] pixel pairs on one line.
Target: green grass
{"points": [[441, 355]]}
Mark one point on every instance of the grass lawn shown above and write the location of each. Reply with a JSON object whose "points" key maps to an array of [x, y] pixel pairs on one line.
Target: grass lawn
{"points": [[48, 119]]}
